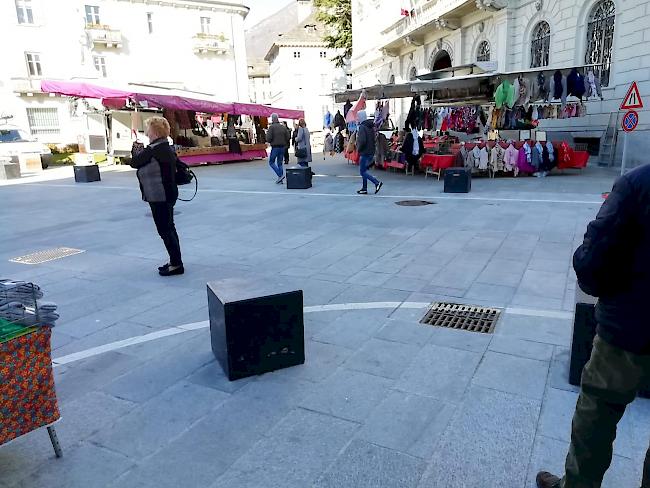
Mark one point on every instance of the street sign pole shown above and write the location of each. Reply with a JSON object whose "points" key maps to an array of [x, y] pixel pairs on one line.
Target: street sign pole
{"points": [[624, 162]]}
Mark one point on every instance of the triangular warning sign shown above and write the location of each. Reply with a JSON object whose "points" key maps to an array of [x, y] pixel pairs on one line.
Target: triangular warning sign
{"points": [[633, 98]]}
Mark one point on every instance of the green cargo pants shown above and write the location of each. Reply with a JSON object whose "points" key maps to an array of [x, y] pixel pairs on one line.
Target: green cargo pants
{"points": [[610, 381]]}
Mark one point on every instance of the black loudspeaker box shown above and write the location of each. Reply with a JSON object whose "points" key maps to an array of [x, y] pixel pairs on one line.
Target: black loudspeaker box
{"points": [[255, 328], [298, 178], [584, 331], [458, 180], [86, 174]]}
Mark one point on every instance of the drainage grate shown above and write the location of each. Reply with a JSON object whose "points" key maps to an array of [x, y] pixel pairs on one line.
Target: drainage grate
{"points": [[463, 317], [47, 255], [414, 203]]}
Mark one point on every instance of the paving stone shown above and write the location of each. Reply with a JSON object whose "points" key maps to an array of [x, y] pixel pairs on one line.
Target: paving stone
{"points": [[499, 295], [369, 278], [365, 465], [113, 333], [550, 455], [512, 374], [439, 372], [293, 453], [382, 358], [160, 373], [424, 271], [159, 420], [460, 339], [213, 376], [405, 283], [496, 431], [85, 465], [408, 423], [543, 283], [521, 348], [346, 394], [559, 374], [352, 329], [321, 360], [405, 331], [536, 302], [537, 329], [550, 265], [458, 275]]}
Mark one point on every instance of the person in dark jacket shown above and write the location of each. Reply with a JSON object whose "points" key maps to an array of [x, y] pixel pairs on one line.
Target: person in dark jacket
{"points": [[366, 150], [278, 138], [412, 148], [156, 165], [286, 149], [613, 264]]}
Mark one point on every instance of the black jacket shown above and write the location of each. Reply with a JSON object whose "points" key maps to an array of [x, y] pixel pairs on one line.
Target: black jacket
{"points": [[277, 135], [613, 263], [407, 147], [339, 121], [156, 165], [366, 138]]}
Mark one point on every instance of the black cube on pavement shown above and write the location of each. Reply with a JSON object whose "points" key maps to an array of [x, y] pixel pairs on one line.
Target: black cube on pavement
{"points": [[298, 177], [584, 332], [458, 180], [255, 328], [86, 174]]}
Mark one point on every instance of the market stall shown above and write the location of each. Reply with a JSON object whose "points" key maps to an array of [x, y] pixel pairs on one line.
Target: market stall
{"points": [[27, 396], [219, 131], [488, 109]]}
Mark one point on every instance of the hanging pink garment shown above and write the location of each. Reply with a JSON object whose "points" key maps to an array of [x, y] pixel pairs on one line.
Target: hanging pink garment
{"points": [[358, 106]]}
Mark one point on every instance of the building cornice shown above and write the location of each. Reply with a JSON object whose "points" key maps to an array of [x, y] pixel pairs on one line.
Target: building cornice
{"points": [[205, 5]]}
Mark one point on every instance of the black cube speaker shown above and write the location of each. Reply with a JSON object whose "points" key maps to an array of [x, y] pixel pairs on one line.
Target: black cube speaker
{"points": [[584, 332], [298, 178], [458, 180], [255, 328], [86, 174]]}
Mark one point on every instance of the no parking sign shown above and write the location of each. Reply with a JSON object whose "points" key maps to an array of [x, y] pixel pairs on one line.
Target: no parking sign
{"points": [[630, 121]]}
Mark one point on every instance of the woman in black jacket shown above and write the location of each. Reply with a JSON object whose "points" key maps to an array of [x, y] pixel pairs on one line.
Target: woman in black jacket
{"points": [[413, 149], [156, 165]]}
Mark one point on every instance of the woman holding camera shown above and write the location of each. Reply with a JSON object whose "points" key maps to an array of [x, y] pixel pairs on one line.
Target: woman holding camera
{"points": [[156, 165]]}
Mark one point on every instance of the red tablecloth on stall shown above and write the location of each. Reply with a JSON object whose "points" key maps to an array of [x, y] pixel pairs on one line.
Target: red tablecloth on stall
{"points": [[580, 159], [27, 396], [437, 161]]}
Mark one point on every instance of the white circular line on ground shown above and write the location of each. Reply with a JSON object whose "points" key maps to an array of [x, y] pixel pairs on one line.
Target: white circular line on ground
{"points": [[114, 346]]}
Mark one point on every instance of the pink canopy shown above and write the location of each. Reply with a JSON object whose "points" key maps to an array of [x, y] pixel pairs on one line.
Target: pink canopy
{"points": [[171, 100]]}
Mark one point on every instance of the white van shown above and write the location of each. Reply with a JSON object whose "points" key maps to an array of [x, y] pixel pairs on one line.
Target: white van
{"points": [[16, 143]]}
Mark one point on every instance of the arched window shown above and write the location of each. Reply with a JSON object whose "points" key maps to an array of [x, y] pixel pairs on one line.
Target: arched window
{"points": [[441, 61], [540, 46], [483, 52], [413, 73], [600, 39]]}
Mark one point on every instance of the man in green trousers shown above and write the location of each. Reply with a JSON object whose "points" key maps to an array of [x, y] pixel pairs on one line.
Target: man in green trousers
{"points": [[613, 264]]}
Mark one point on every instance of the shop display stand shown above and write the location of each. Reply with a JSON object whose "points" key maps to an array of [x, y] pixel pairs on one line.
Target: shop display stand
{"points": [[26, 382]]}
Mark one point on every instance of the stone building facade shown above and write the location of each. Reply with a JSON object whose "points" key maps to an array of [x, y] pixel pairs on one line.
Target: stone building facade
{"points": [[515, 35]]}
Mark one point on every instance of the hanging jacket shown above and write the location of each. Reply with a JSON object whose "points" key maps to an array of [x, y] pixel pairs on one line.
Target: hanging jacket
{"points": [[536, 156], [327, 120], [483, 159], [504, 95], [575, 83], [559, 89], [524, 160], [328, 145], [546, 160], [510, 158], [592, 86], [346, 108], [407, 146], [551, 151], [339, 121], [542, 87], [496, 158]]}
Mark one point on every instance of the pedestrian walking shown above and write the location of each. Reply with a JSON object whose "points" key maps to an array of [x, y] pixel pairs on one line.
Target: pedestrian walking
{"points": [[294, 134], [286, 149], [613, 265], [303, 144], [278, 138], [328, 145], [412, 148], [366, 149], [156, 165]]}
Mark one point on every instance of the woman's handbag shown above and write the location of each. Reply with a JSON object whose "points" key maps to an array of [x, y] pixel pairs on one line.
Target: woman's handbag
{"points": [[301, 152], [185, 176]]}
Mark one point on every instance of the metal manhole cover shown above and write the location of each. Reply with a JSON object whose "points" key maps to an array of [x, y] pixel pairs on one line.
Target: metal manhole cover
{"points": [[414, 203], [462, 317], [47, 255]]}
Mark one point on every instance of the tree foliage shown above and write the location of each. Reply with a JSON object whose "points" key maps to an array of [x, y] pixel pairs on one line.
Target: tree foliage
{"points": [[337, 16]]}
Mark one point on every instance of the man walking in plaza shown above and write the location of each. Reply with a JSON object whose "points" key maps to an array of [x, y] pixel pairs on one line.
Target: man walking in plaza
{"points": [[613, 264], [366, 150], [278, 138]]}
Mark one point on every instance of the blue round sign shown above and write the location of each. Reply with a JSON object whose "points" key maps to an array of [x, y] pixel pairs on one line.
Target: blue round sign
{"points": [[630, 121]]}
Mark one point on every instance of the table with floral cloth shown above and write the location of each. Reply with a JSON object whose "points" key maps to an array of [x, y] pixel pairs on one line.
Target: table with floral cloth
{"points": [[27, 394]]}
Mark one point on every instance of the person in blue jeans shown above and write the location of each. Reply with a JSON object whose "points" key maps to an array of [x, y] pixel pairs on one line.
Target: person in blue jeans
{"points": [[278, 138], [366, 150]]}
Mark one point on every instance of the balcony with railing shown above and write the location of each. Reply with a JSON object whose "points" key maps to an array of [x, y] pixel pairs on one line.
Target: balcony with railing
{"points": [[210, 43], [428, 15], [103, 35], [25, 86]]}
